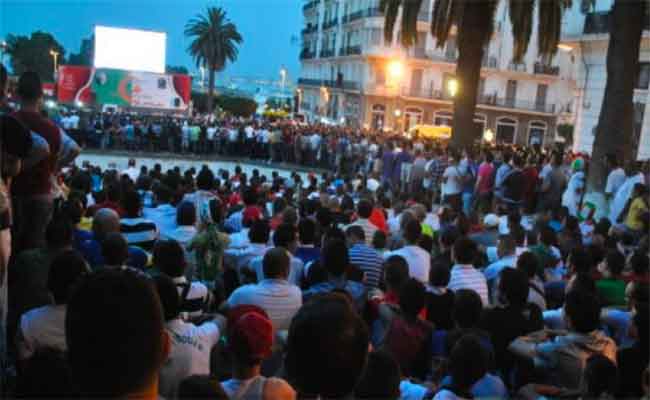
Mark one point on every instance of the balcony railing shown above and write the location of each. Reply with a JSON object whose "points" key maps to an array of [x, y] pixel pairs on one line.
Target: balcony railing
{"points": [[309, 29], [350, 50], [374, 12], [328, 24], [325, 53], [355, 15], [598, 22], [519, 67], [541, 68], [310, 5], [306, 54], [489, 62], [346, 85], [417, 52]]}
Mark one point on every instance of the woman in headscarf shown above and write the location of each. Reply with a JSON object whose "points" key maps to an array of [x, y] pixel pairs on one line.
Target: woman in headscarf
{"points": [[573, 193]]}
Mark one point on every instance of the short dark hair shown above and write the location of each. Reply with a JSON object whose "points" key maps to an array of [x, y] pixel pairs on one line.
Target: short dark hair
{"points": [[467, 308], [464, 250], [342, 337], [306, 231], [186, 214], [276, 263], [356, 231], [59, 232], [412, 297], [640, 263], [169, 299], [468, 361], [412, 231], [113, 314], [364, 209], [163, 194], [132, 203], [380, 379], [583, 309], [65, 270], [379, 240], [205, 179], [284, 235], [615, 262], [396, 271], [439, 275], [259, 231], [547, 235], [201, 387], [169, 257], [528, 263], [115, 249], [30, 87], [513, 286], [335, 257], [581, 261]]}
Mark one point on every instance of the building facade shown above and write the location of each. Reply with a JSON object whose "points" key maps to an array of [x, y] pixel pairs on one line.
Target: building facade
{"points": [[585, 32], [350, 75]]}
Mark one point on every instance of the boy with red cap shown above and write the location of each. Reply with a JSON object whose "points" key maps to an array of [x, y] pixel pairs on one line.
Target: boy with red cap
{"points": [[250, 338]]}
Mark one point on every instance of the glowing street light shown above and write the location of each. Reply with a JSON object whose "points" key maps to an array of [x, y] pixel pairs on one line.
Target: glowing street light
{"points": [[79, 103], [395, 70], [565, 47], [398, 112], [55, 56], [452, 87], [488, 135]]}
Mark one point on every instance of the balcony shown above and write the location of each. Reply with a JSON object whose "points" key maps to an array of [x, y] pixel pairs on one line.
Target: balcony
{"points": [[309, 29], [490, 62], [417, 52], [598, 22], [426, 93], [345, 85], [350, 50], [541, 68], [374, 12], [332, 22], [306, 54], [310, 6], [326, 53], [518, 67]]}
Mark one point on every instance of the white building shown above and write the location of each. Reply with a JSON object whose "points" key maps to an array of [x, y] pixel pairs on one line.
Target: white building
{"points": [[344, 63], [586, 32]]}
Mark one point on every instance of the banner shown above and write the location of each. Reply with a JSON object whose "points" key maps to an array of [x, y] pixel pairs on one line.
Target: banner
{"points": [[126, 88]]}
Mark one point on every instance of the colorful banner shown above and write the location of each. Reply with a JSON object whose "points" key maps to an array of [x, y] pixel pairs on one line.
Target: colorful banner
{"points": [[124, 88]]}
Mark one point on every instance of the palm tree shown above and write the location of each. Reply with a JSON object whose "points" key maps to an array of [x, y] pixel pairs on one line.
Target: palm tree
{"points": [[474, 20], [215, 41]]}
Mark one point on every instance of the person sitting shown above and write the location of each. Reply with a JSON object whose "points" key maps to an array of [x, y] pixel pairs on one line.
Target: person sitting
{"points": [[369, 261], [506, 247], [138, 231], [240, 259], [274, 293], [115, 335], [285, 237], [112, 202], [163, 214], [191, 344], [364, 211], [331, 322], [468, 363], [381, 380], [638, 269], [564, 356], [463, 273], [250, 339], [306, 250], [529, 265], [418, 259], [439, 300], [74, 210], [169, 259], [184, 232], [335, 260], [44, 327], [115, 251], [611, 287]]}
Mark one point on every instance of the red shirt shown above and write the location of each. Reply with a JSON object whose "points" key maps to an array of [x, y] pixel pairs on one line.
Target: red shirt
{"points": [[37, 180], [486, 174]]}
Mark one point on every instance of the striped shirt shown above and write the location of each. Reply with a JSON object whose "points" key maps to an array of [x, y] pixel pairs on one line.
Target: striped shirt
{"points": [[369, 261], [139, 232], [468, 277]]}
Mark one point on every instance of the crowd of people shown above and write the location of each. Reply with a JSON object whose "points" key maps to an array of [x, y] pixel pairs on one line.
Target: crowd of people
{"points": [[408, 271]]}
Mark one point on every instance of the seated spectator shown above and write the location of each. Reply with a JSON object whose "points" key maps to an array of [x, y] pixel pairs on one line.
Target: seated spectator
{"points": [[632, 361], [528, 264], [112, 202], [364, 257], [468, 363], [418, 259], [73, 209], [512, 317], [466, 313], [581, 270], [639, 268], [381, 379], [306, 250], [115, 335], [240, 258], [191, 344], [115, 251], [335, 260], [564, 357], [107, 221], [250, 339], [506, 253], [184, 233], [379, 242], [169, 258], [611, 287], [364, 211], [342, 337], [446, 240], [46, 376], [202, 196], [209, 245], [439, 300], [274, 294], [44, 327], [164, 214], [463, 273], [201, 387], [285, 237], [137, 231]]}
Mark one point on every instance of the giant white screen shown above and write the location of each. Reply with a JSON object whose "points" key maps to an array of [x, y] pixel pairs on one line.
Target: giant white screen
{"points": [[129, 49]]}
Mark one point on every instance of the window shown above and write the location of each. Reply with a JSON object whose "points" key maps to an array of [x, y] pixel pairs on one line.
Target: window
{"points": [[378, 112], [643, 79], [443, 118], [540, 97], [481, 87], [536, 132], [376, 36], [380, 75], [480, 122], [511, 92], [450, 50], [412, 116], [506, 130]]}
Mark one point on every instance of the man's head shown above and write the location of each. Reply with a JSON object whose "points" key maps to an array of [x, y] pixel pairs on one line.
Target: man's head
{"points": [[115, 335], [186, 214], [30, 88], [115, 249], [169, 298], [205, 179], [132, 204], [105, 221], [528, 264], [613, 265], [464, 250], [335, 257], [396, 272], [467, 308], [412, 231], [59, 233], [506, 246], [326, 348], [306, 231], [259, 232], [163, 194], [412, 297], [582, 311], [66, 269], [513, 288], [250, 335], [468, 362], [380, 379], [364, 209], [355, 234], [169, 257], [275, 263], [286, 236]]}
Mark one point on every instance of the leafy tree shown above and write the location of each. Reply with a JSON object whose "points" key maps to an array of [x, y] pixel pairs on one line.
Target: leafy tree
{"points": [[214, 43], [474, 21], [237, 106], [33, 53], [176, 69], [85, 55]]}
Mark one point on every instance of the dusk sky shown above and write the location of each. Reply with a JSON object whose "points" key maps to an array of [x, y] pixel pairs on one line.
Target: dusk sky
{"points": [[266, 25]]}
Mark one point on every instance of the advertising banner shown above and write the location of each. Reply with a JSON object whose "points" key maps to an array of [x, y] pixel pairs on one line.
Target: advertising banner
{"points": [[127, 88]]}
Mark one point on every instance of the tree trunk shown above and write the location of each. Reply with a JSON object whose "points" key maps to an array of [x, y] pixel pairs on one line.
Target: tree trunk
{"points": [[474, 28], [615, 128], [211, 74]]}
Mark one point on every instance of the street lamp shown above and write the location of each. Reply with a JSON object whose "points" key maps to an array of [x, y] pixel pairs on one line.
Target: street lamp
{"points": [[55, 56], [283, 78], [202, 70], [488, 135], [395, 69], [452, 87]]}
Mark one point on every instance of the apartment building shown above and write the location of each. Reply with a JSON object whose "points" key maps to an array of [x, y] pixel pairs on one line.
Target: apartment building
{"points": [[350, 75]]}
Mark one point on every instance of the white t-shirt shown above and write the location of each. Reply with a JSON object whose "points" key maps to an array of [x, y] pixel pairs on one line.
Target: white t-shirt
{"points": [[615, 180], [40, 328], [280, 299], [190, 353], [452, 185], [197, 291], [210, 132], [131, 172], [296, 269], [418, 260]]}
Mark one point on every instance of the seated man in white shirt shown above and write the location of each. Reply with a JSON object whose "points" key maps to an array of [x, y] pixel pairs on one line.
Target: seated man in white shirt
{"points": [[169, 258], [274, 294], [191, 344], [418, 259], [185, 232], [463, 273], [44, 327], [240, 259], [285, 237]]}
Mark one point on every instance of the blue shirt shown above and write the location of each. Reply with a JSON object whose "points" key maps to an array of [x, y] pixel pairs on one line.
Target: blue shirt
{"points": [[307, 254], [355, 289], [493, 270], [80, 236], [369, 261], [489, 386], [91, 249]]}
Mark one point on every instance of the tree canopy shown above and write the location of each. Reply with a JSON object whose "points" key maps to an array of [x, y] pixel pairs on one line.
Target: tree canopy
{"points": [[32, 53]]}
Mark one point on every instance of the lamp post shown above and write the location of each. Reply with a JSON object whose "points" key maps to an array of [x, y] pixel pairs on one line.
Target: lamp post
{"points": [[452, 87], [395, 71], [283, 78], [55, 56], [202, 70]]}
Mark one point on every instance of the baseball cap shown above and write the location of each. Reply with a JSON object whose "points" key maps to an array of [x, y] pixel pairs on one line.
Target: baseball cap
{"points": [[250, 332], [491, 220]]}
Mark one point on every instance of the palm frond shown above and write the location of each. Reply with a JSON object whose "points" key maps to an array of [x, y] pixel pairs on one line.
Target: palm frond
{"points": [[214, 39], [390, 8], [410, 10], [550, 27], [521, 18], [443, 17]]}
